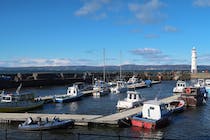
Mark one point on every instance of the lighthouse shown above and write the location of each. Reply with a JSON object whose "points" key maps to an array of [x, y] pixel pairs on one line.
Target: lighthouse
{"points": [[194, 61]]}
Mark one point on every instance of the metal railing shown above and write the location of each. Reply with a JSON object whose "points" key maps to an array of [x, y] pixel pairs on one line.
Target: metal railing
{"points": [[9, 134]]}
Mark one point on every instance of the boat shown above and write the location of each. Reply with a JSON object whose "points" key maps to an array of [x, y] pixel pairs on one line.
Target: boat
{"points": [[100, 88], [200, 83], [180, 85], [55, 123], [155, 114], [19, 102], [132, 100], [120, 87], [194, 96], [148, 83], [134, 82], [207, 85], [176, 106], [73, 94]]}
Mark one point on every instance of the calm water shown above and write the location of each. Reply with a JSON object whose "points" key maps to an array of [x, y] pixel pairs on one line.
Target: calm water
{"points": [[193, 123]]}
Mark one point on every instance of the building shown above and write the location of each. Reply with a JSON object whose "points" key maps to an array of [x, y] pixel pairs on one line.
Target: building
{"points": [[194, 61]]}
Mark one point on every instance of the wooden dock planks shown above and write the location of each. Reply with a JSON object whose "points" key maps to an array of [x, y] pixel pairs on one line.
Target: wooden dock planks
{"points": [[80, 119], [16, 117]]}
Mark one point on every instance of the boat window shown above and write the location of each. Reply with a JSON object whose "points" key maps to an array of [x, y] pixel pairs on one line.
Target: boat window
{"points": [[6, 98], [152, 108], [130, 96], [134, 96], [162, 107], [148, 113]]}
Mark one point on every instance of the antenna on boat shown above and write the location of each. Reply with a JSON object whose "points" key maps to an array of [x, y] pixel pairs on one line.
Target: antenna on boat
{"points": [[18, 89], [158, 94]]}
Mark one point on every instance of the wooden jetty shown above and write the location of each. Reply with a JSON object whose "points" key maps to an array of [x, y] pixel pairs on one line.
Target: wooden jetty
{"points": [[49, 98], [112, 119]]}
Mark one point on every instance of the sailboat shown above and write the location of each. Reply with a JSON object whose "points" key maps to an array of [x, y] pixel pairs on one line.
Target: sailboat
{"points": [[100, 88], [121, 85]]}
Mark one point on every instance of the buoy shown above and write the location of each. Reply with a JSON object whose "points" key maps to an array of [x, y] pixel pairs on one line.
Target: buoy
{"points": [[188, 90]]}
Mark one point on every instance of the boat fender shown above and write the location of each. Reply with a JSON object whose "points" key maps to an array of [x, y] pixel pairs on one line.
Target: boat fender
{"points": [[188, 90]]}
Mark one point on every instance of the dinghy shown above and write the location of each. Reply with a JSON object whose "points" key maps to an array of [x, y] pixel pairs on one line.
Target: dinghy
{"points": [[30, 125]]}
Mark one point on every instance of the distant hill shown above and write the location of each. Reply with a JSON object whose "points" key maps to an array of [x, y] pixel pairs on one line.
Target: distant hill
{"points": [[130, 67]]}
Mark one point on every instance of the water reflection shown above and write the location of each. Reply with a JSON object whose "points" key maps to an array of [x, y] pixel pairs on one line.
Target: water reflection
{"points": [[73, 106], [146, 133]]}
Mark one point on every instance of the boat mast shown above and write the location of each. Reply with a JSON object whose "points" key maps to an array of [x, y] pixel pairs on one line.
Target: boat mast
{"points": [[104, 70], [120, 66]]}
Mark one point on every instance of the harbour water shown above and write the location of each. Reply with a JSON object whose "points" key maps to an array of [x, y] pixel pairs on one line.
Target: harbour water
{"points": [[193, 123]]}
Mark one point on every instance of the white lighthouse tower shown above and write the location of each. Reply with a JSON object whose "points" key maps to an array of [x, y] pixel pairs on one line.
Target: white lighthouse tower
{"points": [[194, 61]]}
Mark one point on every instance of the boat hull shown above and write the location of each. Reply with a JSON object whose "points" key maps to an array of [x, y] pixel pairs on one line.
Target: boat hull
{"points": [[127, 105], [20, 106], [46, 126], [149, 123], [66, 100], [101, 92]]}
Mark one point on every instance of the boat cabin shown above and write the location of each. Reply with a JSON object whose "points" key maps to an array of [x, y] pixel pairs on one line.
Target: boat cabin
{"points": [[73, 91], [154, 110], [200, 83], [181, 84], [7, 98], [133, 80], [133, 96]]}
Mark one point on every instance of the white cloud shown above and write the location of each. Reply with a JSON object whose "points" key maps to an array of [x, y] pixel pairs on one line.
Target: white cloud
{"points": [[202, 59], [202, 3], [29, 62], [148, 12], [40, 62], [168, 28], [92, 8], [155, 56], [145, 51], [150, 36]]}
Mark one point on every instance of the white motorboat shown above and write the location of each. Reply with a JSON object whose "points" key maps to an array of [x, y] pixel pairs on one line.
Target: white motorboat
{"points": [[120, 87], [100, 88], [180, 86], [133, 99], [154, 114], [73, 93]]}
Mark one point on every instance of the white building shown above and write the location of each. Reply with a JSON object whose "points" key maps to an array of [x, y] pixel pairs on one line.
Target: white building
{"points": [[194, 61]]}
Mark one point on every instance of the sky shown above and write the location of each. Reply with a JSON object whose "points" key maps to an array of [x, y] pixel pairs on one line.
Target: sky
{"points": [[77, 32]]}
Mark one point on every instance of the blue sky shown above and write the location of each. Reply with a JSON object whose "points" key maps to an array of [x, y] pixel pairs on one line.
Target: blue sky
{"points": [[74, 32]]}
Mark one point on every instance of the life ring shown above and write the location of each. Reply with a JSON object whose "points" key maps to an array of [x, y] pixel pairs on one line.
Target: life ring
{"points": [[188, 90]]}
